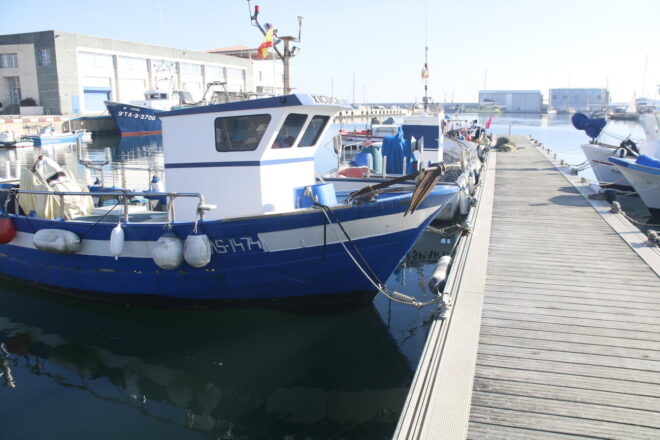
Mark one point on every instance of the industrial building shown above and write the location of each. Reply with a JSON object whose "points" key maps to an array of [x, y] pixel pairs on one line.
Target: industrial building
{"points": [[572, 100], [513, 101], [72, 74]]}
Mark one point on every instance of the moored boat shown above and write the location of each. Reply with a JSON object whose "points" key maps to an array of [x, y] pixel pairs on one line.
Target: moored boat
{"points": [[135, 120], [48, 136], [643, 171], [244, 218], [598, 151]]}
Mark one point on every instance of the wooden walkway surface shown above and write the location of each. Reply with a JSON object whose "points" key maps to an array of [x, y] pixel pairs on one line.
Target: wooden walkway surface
{"points": [[569, 335], [569, 344]]}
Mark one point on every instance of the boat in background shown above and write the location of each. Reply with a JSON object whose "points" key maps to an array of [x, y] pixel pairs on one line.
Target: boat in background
{"points": [[598, 152], [139, 118], [630, 113], [8, 139], [262, 229], [48, 135], [643, 171]]}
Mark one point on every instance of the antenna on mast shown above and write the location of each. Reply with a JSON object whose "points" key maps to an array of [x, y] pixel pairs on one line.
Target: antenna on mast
{"points": [[288, 51]]}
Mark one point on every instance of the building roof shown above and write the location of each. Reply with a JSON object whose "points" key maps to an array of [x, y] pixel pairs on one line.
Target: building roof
{"points": [[510, 91], [242, 52]]}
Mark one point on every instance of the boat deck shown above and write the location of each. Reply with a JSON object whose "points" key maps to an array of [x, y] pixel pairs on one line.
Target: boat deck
{"points": [[555, 328]]}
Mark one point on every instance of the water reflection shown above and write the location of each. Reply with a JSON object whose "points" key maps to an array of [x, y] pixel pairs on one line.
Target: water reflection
{"points": [[231, 374]]}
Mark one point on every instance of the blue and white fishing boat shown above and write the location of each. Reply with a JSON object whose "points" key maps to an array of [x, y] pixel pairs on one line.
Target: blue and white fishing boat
{"points": [[643, 171], [135, 120], [239, 222], [48, 136]]}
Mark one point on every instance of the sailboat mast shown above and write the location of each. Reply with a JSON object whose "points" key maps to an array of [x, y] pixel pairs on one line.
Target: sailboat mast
{"points": [[426, 78]]}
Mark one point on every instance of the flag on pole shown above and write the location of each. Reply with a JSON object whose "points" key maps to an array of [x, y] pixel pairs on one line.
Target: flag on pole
{"points": [[425, 71], [262, 51], [487, 124]]}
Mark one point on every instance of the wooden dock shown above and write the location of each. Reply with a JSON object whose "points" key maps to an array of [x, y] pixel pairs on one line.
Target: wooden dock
{"points": [[555, 328]]}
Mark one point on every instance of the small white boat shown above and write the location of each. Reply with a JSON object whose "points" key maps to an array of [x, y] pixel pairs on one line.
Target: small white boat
{"points": [[607, 174], [643, 172], [8, 139], [48, 135]]}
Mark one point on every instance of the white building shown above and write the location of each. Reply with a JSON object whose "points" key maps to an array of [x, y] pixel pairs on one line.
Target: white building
{"points": [[514, 101], [73, 74]]}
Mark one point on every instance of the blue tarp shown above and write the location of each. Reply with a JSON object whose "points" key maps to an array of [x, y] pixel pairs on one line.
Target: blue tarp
{"points": [[396, 148]]}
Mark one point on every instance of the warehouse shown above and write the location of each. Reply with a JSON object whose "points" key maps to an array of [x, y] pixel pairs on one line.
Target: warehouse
{"points": [[72, 74]]}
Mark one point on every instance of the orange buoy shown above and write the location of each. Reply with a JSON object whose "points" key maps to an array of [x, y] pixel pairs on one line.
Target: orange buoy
{"points": [[7, 229]]}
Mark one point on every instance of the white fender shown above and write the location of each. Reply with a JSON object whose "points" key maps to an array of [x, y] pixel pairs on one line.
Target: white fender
{"points": [[197, 250], [57, 241], [168, 251], [117, 241]]}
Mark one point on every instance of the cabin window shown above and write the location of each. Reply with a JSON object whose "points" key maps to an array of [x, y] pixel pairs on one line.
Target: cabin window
{"points": [[290, 131], [313, 131], [240, 133]]}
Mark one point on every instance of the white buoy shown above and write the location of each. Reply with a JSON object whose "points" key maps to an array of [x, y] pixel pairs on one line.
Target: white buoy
{"points": [[464, 202], [197, 250], [168, 251], [117, 241], [471, 182], [439, 275]]}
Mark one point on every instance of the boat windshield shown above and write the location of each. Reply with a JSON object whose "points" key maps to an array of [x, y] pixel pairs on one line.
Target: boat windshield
{"points": [[313, 131], [290, 131], [240, 133]]}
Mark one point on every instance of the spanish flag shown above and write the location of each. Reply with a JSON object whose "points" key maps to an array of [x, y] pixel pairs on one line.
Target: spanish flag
{"points": [[262, 51], [425, 71]]}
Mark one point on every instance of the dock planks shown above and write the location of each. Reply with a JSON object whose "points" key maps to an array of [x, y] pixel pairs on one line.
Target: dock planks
{"points": [[568, 339]]}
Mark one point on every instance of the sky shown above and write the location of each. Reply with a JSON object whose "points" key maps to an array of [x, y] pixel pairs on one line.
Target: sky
{"points": [[373, 50]]}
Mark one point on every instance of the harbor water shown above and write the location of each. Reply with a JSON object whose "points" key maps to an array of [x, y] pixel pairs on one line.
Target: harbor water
{"points": [[88, 370]]}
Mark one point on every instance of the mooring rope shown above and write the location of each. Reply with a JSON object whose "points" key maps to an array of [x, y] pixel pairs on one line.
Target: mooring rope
{"points": [[391, 294]]}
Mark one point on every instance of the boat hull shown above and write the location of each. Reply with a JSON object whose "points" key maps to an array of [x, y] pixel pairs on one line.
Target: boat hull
{"points": [[608, 175], [283, 258], [55, 139], [644, 179], [135, 120]]}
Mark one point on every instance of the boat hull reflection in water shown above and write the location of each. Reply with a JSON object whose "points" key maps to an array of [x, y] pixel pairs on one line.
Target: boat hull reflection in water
{"points": [[225, 373]]}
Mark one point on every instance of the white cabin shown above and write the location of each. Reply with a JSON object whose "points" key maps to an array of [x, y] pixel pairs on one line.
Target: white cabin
{"points": [[247, 158]]}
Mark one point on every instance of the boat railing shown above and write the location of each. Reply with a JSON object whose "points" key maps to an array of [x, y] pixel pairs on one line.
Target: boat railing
{"points": [[123, 195]]}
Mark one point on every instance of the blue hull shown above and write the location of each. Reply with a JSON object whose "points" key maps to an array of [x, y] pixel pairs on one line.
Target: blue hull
{"points": [[134, 120], [244, 265]]}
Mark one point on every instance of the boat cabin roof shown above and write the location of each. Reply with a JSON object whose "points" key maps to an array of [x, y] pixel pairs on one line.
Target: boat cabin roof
{"points": [[263, 103]]}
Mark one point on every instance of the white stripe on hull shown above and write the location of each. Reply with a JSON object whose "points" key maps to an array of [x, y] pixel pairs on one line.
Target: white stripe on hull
{"points": [[271, 241]]}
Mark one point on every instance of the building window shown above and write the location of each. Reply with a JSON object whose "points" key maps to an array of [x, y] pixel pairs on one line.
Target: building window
{"points": [[193, 69], [134, 65], [14, 86], [240, 133], [8, 60], [44, 57], [260, 76], [96, 60]]}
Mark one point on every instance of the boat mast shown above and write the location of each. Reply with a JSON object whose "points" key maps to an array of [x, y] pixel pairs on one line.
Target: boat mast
{"points": [[426, 78], [289, 51]]}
